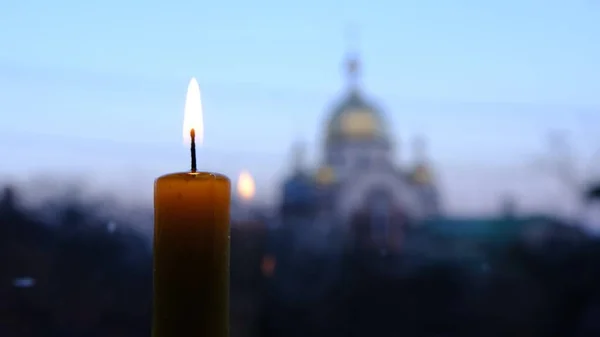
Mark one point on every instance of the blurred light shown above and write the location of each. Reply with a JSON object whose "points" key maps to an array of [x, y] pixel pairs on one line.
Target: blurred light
{"points": [[246, 188], [268, 266], [111, 226], [192, 117], [23, 282]]}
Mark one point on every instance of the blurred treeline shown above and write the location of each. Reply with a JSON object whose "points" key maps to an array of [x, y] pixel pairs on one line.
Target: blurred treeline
{"points": [[67, 271]]}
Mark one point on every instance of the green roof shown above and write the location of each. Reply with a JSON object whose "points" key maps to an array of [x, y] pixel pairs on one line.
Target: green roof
{"points": [[478, 229]]}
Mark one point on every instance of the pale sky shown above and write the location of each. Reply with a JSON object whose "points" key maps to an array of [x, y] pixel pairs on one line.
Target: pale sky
{"points": [[97, 89]]}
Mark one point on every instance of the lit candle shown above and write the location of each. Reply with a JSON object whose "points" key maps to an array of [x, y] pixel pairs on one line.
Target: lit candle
{"points": [[191, 244]]}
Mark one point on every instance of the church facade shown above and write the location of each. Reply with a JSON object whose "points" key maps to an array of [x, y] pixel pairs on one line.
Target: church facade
{"points": [[358, 173]]}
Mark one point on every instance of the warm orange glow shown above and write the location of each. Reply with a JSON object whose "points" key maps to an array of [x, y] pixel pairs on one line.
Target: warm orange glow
{"points": [[268, 265], [245, 186], [192, 117]]}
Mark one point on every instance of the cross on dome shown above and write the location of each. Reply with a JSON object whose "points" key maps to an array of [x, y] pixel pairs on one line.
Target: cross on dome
{"points": [[353, 70], [352, 65]]}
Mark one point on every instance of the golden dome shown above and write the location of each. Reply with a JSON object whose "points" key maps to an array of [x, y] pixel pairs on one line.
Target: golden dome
{"points": [[358, 124], [422, 175], [325, 175], [355, 119]]}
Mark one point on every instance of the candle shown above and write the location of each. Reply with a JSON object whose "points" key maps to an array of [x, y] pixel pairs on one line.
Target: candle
{"points": [[191, 244]]}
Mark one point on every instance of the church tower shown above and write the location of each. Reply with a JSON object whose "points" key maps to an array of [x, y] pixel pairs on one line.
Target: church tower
{"points": [[423, 178], [356, 136], [357, 175]]}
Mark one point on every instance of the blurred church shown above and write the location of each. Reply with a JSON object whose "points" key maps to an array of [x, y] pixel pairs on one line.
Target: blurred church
{"points": [[358, 174]]}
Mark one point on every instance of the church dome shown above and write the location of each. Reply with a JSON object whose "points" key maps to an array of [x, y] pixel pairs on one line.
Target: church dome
{"points": [[299, 190], [325, 175], [422, 175], [354, 117]]}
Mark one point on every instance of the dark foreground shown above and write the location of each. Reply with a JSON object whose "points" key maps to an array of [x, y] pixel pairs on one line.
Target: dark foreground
{"points": [[64, 273]]}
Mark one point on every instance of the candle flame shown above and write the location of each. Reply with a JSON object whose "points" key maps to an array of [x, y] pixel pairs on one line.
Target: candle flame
{"points": [[245, 186], [192, 117]]}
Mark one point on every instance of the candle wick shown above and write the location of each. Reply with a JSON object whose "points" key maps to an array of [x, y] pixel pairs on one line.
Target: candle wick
{"points": [[193, 150]]}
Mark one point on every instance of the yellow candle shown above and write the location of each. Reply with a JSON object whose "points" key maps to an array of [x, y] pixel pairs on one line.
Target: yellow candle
{"points": [[191, 251]]}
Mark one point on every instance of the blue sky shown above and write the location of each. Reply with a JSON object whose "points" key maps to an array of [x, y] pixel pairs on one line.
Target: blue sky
{"points": [[99, 87]]}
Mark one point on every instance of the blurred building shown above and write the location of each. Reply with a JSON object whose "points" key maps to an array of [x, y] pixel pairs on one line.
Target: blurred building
{"points": [[358, 172]]}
